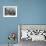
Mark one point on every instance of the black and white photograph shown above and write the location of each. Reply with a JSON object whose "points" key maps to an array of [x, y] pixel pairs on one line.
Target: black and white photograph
{"points": [[9, 11], [27, 34]]}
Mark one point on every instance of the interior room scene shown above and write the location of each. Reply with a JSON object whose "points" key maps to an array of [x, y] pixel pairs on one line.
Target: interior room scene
{"points": [[22, 22], [30, 34]]}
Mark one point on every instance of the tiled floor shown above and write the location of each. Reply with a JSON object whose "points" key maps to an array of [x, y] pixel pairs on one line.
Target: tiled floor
{"points": [[7, 45], [30, 43]]}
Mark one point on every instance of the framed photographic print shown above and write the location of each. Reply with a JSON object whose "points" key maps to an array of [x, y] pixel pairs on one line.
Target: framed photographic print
{"points": [[9, 11], [33, 32]]}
